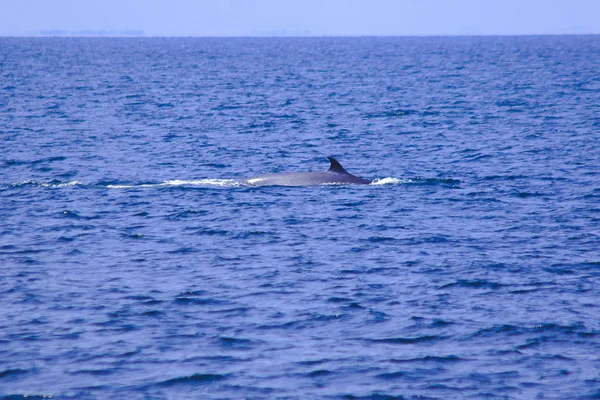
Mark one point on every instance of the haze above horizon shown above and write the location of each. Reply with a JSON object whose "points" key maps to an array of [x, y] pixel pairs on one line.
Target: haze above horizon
{"points": [[298, 17]]}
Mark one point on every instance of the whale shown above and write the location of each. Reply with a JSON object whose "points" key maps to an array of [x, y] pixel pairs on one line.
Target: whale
{"points": [[335, 175]]}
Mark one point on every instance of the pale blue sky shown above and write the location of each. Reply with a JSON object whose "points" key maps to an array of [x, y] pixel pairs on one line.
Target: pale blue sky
{"points": [[301, 17]]}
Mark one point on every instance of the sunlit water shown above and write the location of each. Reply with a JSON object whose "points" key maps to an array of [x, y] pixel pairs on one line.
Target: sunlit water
{"points": [[133, 264]]}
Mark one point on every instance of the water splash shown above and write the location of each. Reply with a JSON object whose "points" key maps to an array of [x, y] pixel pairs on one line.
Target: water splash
{"points": [[390, 181]]}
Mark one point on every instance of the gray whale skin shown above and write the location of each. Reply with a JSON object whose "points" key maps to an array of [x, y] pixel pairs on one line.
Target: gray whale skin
{"points": [[336, 174]]}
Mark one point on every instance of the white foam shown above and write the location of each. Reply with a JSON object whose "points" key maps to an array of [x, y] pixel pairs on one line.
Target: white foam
{"points": [[205, 182], [63, 184], [25, 183], [31, 182], [122, 186], [390, 181], [180, 182]]}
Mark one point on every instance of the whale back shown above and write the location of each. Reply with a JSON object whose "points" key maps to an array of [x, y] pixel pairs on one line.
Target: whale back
{"points": [[336, 174]]}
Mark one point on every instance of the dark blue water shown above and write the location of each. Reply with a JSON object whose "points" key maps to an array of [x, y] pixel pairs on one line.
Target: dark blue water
{"points": [[132, 265]]}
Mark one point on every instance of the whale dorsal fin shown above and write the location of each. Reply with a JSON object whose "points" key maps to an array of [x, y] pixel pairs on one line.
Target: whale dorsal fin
{"points": [[336, 166]]}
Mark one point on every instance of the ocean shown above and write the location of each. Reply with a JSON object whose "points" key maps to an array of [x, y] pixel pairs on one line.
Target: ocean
{"points": [[133, 264]]}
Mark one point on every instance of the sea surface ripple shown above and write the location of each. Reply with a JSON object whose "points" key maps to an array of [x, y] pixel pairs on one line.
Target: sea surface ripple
{"points": [[133, 265]]}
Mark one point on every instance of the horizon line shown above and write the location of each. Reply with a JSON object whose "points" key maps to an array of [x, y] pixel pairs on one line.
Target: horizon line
{"points": [[266, 36]]}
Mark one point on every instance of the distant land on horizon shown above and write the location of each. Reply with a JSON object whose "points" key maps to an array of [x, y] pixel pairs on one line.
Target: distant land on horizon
{"points": [[267, 33], [62, 32], [298, 18], [134, 32], [264, 33]]}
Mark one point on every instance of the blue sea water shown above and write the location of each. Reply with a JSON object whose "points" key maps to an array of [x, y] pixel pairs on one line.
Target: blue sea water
{"points": [[132, 265]]}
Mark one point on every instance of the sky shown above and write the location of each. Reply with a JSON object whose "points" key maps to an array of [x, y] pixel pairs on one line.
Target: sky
{"points": [[300, 17]]}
